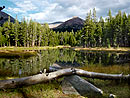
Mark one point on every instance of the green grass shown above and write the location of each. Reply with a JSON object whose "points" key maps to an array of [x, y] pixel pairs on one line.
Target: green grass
{"points": [[118, 88], [118, 49], [32, 48], [46, 90], [114, 69]]}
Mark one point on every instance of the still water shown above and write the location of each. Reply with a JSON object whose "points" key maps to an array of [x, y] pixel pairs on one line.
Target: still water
{"points": [[19, 67]]}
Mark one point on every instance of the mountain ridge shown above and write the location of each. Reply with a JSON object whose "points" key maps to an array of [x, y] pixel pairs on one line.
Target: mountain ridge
{"points": [[4, 17], [74, 24]]}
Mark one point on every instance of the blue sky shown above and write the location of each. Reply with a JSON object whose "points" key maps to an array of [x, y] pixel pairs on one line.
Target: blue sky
{"points": [[61, 10]]}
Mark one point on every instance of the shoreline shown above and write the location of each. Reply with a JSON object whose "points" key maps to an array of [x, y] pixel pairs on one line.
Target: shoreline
{"points": [[120, 49]]}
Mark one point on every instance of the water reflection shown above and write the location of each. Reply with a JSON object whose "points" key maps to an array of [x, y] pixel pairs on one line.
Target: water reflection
{"points": [[65, 57]]}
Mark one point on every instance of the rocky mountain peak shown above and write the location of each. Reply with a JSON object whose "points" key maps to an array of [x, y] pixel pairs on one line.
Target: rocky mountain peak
{"points": [[4, 17], [74, 24]]}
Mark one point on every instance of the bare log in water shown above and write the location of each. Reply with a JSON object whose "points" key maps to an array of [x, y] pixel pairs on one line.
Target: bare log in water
{"points": [[13, 83]]}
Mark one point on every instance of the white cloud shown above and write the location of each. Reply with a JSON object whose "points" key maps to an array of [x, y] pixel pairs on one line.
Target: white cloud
{"points": [[26, 5], [22, 7], [44, 14], [16, 10], [60, 10]]}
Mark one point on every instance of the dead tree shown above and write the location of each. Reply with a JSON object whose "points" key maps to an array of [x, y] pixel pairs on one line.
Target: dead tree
{"points": [[43, 77]]}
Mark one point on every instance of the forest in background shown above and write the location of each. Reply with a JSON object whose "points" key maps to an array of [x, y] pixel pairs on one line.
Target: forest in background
{"points": [[113, 31]]}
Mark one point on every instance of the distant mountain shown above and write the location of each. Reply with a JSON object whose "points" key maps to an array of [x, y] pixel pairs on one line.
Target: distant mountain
{"points": [[74, 24], [4, 17], [55, 24]]}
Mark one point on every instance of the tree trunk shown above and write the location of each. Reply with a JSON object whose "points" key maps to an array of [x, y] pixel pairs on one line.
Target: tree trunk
{"points": [[25, 81], [27, 43], [33, 43], [12, 83], [24, 44], [15, 43], [96, 75], [39, 43], [83, 87]]}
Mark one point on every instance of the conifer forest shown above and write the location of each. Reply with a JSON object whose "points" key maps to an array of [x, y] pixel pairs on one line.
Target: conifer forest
{"points": [[112, 31]]}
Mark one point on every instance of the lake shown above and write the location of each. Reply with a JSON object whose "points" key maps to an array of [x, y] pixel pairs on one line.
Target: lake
{"points": [[20, 67]]}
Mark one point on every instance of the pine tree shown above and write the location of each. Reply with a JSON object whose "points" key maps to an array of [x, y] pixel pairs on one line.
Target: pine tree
{"points": [[124, 29], [34, 33], [24, 32], [7, 30], [72, 40], [118, 28], [101, 21], [88, 32], [1, 36], [16, 32], [39, 34], [128, 29], [99, 34], [45, 34], [109, 30], [85, 34], [94, 16]]}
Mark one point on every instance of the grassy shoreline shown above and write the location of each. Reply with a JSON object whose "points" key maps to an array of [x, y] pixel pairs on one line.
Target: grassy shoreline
{"points": [[32, 48], [119, 49]]}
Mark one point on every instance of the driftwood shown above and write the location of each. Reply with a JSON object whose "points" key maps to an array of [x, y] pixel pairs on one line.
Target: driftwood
{"points": [[43, 77]]}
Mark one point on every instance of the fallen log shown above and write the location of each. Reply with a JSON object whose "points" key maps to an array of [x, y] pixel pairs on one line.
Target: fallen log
{"points": [[102, 75], [83, 87], [67, 88], [35, 79], [95, 75], [43, 77]]}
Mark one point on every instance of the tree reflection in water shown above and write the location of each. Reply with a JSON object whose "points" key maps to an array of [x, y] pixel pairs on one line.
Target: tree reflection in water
{"points": [[64, 57]]}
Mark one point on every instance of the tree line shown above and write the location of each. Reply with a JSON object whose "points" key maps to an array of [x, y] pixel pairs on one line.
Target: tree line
{"points": [[30, 33], [113, 31]]}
